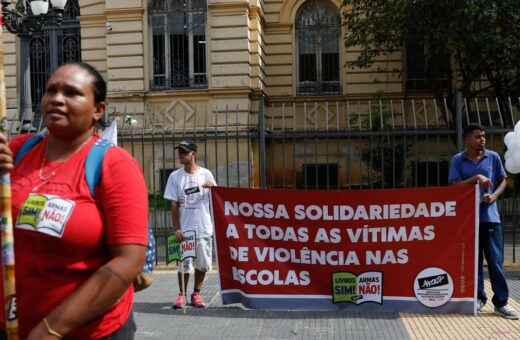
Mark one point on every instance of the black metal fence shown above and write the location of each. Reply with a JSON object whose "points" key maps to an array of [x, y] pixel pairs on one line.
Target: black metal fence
{"points": [[342, 145]]}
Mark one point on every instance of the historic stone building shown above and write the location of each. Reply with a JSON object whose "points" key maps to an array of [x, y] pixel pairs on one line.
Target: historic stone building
{"points": [[164, 58], [210, 52]]}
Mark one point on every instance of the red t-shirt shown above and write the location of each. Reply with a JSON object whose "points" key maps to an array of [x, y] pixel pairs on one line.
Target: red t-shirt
{"points": [[61, 236]]}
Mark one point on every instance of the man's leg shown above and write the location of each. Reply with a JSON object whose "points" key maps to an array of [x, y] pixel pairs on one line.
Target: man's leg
{"points": [[196, 299], [202, 266], [494, 259], [184, 268], [483, 240], [199, 280]]}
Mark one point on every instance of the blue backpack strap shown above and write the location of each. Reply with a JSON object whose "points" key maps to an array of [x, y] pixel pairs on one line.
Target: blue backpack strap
{"points": [[27, 146], [93, 176], [94, 162]]}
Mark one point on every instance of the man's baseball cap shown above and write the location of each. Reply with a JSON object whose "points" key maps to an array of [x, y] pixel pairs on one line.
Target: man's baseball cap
{"points": [[187, 145]]}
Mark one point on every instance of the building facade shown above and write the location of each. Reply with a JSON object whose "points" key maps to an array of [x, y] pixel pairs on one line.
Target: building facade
{"points": [[194, 68], [211, 52]]}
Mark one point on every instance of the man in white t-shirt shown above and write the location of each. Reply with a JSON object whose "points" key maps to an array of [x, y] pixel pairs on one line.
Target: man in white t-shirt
{"points": [[188, 190]]}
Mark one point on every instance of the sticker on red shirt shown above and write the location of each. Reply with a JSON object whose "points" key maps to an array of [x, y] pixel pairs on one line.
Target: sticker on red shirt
{"points": [[46, 214]]}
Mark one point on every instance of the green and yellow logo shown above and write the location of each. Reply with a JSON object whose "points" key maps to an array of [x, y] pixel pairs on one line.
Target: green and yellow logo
{"points": [[31, 210], [357, 289], [173, 249], [344, 287]]}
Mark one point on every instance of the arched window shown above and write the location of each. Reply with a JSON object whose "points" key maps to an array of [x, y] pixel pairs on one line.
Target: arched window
{"points": [[178, 43], [51, 47], [318, 30]]}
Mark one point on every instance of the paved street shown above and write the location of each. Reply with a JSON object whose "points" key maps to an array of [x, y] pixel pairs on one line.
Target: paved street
{"points": [[157, 320]]}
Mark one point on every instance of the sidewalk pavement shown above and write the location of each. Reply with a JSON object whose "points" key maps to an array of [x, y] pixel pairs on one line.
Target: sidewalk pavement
{"points": [[156, 319]]}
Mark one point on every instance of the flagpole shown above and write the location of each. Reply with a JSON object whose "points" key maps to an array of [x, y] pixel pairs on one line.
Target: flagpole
{"points": [[184, 288], [11, 318]]}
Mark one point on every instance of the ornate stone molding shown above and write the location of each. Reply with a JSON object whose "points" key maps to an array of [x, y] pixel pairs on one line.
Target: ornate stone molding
{"points": [[290, 7]]}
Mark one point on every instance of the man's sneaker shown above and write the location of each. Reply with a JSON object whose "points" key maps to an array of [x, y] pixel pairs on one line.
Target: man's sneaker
{"points": [[507, 312], [179, 302], [480, 305], [196, 300]]}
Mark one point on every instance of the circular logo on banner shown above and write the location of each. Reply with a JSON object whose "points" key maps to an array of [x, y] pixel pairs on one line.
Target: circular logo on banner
{"points": [[433, 287]]}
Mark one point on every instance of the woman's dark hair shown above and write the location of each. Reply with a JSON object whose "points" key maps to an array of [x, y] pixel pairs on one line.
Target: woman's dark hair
{"points": [[100, 85]]}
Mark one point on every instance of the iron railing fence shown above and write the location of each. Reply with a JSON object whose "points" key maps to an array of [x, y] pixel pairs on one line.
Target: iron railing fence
{"points": [[372, 144], [341, 145], [225, 146]]}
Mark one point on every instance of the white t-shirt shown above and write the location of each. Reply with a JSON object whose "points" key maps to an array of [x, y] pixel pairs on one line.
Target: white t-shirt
{"points": [[193, 199]]}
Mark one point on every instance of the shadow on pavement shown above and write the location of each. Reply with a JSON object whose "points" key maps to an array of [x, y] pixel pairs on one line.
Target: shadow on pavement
{"points": [[238, 312]]}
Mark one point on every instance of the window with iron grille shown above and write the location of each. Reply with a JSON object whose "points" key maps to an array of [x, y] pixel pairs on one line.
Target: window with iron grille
{"points": [[51, 47], [318, 31], [178, 44], [420, 75]]}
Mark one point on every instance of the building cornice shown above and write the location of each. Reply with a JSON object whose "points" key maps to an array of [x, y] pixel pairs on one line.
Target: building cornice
{"points": [[278, 28], [200, 93], [228, 7], [255, 12], [92, 20], [125, 14], [114, 95]]}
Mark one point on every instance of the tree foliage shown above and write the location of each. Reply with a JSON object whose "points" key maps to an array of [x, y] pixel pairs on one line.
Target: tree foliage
{"points": [[481, 37], [385, 157]]}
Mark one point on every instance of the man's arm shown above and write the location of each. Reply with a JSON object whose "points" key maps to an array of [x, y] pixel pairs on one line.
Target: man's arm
{"points": [[501, 186], [175, 221], [486, 183], [455, 176]]}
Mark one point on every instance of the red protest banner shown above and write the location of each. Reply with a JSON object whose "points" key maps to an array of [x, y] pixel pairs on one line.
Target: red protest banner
{"points": [[370, 250]]}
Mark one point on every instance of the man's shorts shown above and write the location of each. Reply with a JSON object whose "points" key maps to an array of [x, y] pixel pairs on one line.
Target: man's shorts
{"points": [[203, 260]]}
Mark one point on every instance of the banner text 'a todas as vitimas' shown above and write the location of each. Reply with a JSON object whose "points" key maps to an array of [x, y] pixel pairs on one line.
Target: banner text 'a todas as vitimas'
{"points": [[411, 250]]}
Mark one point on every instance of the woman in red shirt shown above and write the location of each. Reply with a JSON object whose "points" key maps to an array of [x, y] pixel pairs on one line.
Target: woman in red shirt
{"points": [[76, 255]]}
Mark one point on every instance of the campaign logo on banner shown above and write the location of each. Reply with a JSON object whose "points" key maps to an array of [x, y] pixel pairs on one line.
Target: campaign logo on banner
{"points": [[356, 289], [367, 250], [173, 249], [433, 287], [179, 251], [189, 244]]}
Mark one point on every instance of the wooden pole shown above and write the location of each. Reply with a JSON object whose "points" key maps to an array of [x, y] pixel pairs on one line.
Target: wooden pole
{"points": [[183, 287], [11, 318]]}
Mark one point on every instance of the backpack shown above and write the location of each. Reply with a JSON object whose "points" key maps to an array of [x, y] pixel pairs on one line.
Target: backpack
{"points": [[93, 177]]}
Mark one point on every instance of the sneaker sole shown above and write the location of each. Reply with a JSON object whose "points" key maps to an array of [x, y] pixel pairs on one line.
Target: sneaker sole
{"points": [[198, 306], [507, 317], [176, 307]]}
